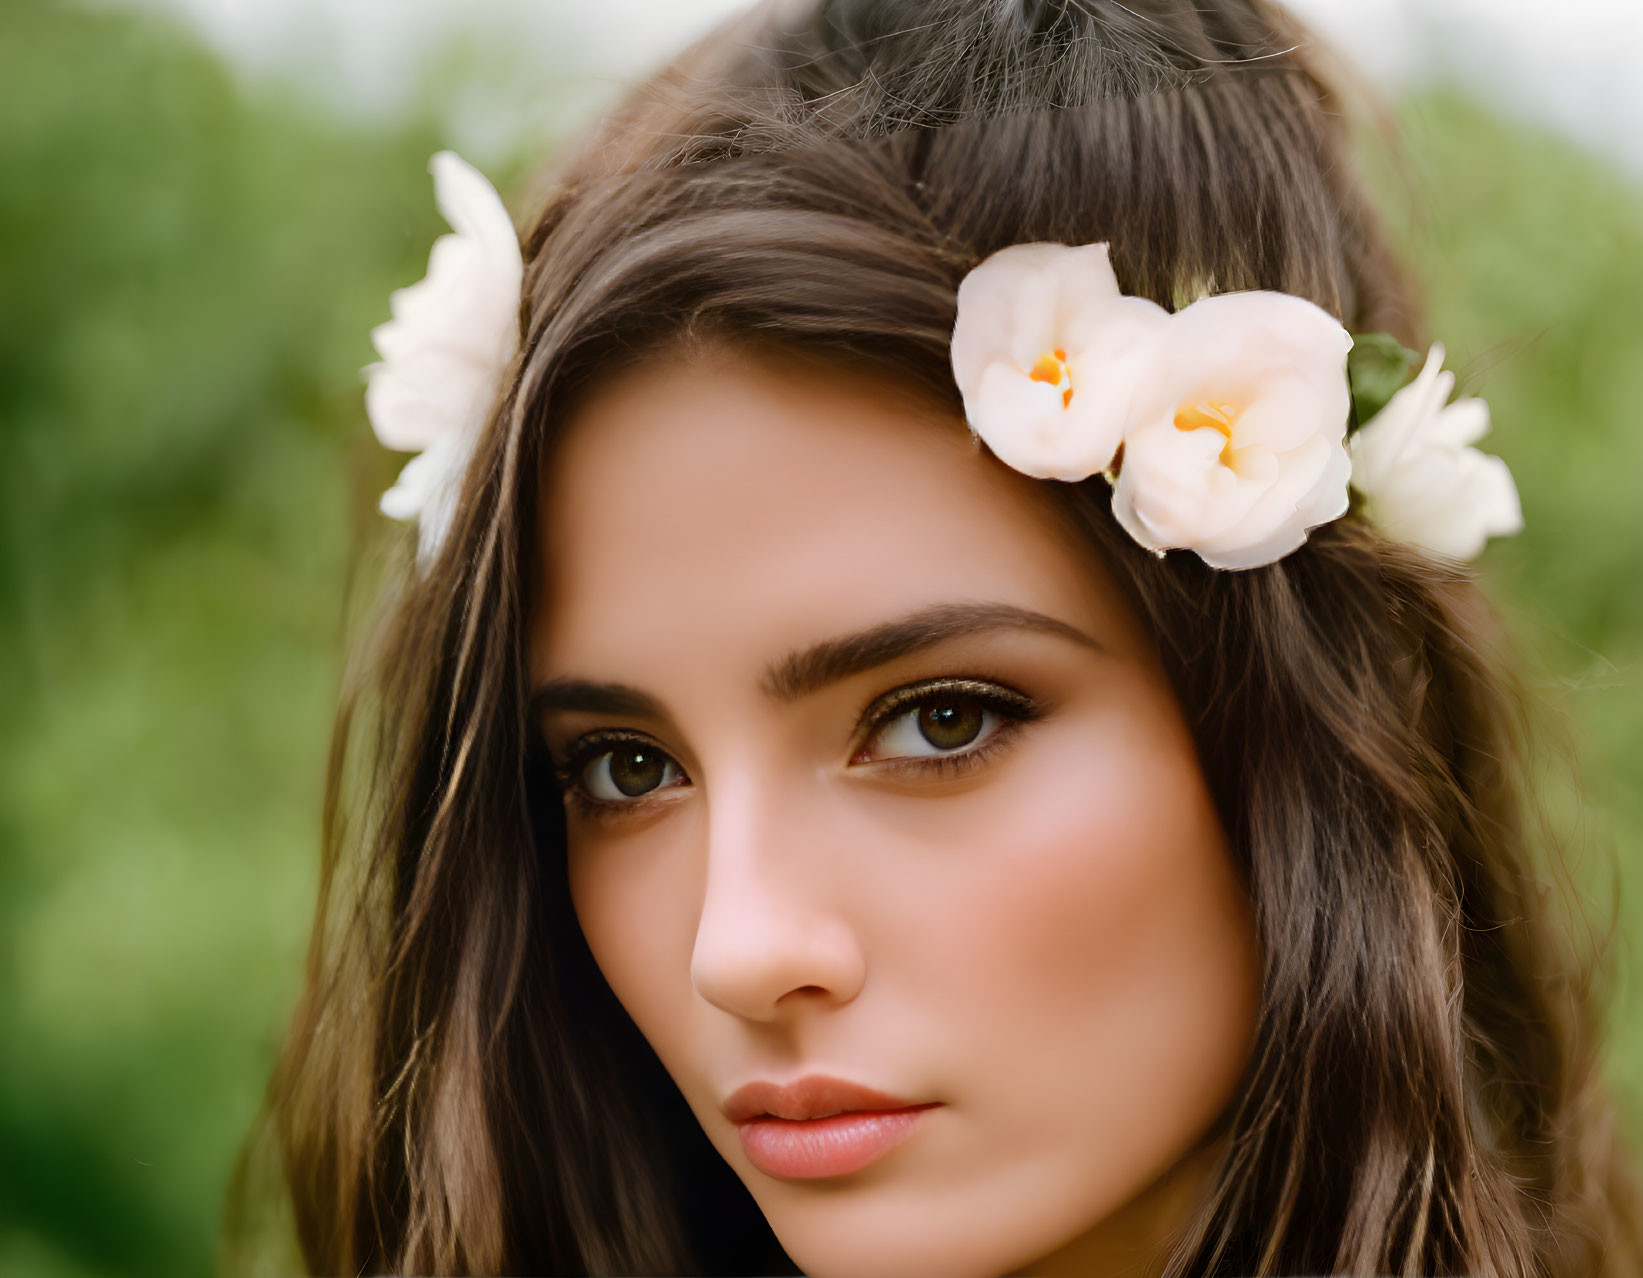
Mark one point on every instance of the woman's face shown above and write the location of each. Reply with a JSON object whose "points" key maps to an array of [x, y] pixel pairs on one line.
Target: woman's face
{"points": [[884, 824]]}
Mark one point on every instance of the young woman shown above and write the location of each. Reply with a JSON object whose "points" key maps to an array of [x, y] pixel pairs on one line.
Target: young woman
{"points": [[897, 755]]}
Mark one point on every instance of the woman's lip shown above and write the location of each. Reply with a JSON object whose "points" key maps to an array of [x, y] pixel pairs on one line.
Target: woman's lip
{"points": [[811, 1148], [813, 1096]]}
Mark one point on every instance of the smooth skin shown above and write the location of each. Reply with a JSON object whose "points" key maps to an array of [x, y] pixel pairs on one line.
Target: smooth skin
{"points": [[1039, 927]]}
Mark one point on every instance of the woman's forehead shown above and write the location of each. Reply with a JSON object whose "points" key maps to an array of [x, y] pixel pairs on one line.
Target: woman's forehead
{"points": [[736, 501]]}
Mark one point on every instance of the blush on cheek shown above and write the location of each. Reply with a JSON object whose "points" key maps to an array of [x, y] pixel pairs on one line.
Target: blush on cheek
{"points": [[1113, 844], [1108, 925]]}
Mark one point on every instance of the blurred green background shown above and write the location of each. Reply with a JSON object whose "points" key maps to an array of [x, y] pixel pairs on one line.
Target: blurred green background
{"points": [[189, 267]]}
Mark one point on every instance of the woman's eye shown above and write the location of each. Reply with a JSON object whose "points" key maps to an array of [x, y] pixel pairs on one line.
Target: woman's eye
{"points": [[627, 772], [937, 726]]}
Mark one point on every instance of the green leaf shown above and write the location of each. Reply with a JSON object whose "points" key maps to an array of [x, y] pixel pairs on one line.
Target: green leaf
{"points": [[1378, 367]]}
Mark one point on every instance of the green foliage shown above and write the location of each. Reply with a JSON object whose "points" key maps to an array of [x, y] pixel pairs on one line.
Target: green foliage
{"points": [[189, 272], [189, 275]]}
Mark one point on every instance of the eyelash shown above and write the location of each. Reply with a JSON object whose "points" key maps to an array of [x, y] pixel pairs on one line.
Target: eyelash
{"points": [[1013, 708]]}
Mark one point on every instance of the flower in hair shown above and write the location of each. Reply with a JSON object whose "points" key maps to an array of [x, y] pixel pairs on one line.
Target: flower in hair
{"points": [[1422, 480], [1222, 427], [1048, 354], [1237, 448], [452, 335]]}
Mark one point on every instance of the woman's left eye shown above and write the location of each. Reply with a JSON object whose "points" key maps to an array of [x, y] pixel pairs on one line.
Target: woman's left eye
{"points": [[938, 728], [943, 724]]}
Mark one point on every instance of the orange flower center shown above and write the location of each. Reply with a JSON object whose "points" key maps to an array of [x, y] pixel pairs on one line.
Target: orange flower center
{"points": [[1221, 417], [1051, 368], [1211, 416]]}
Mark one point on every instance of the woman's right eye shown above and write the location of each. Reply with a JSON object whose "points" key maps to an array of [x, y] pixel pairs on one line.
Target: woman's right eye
{"points": [[629, 771]]}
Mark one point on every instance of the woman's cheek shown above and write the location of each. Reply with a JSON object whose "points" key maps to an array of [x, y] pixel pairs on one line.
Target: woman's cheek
{"points": [[1097, 946], [1095, 840], [632, 892]]}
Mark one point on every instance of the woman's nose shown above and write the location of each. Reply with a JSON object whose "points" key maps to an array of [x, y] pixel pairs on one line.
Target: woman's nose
{"points": [[769, 941]]}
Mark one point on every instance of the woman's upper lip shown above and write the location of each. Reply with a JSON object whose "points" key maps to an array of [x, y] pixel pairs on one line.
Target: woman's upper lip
{"points": [[813, 1096]]}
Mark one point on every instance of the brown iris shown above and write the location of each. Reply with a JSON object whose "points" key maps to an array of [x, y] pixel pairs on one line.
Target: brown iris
{"points": [[947, 725], [637, 770]]}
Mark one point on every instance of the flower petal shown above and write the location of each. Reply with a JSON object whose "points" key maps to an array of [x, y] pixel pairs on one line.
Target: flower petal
{"points": [[1266, 374], [1264, 334], [1379, 445], [1005, 305], [1422, 481], [470, 203], [1290, 410], [401, 415], [1177, 488], [1025, 425], [1462, 423], [427, 491], [1287, 512], [1030, 301], [451, 336]]}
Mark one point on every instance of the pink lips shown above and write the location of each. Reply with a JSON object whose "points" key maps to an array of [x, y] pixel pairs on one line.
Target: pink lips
{"points": [[819, 1126]]}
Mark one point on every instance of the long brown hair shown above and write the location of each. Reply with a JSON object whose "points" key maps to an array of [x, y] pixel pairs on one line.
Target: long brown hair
{"points": [[461, 1093]]}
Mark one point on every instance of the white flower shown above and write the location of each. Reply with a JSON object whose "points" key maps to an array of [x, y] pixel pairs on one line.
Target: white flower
{"points": [[452, 335], [1422, 481], [1237, 448], [1048, 354]]}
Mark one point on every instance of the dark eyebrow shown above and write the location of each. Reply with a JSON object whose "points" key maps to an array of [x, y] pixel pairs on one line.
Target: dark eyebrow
{"points": [[802, 673], [594, 698]]}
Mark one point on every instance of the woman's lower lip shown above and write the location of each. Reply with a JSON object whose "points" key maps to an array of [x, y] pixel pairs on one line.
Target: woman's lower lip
{"points": [[808, 1148]]}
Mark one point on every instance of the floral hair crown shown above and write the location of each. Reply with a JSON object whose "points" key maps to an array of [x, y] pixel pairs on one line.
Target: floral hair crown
{"points": [[1230, 427]]}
